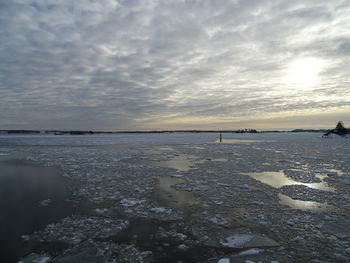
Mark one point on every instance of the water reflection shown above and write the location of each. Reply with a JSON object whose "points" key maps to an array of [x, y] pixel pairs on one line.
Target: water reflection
{"points": [[235, 141], [24, 186], [169, 196], [197, 147], [279, 179], [218, 160], [181, 162], [159, 150], [309, 205], [329, 172]]}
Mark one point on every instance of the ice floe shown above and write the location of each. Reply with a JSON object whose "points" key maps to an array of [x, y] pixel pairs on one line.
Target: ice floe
{"points": [[130, 203], [197, 195], [75, 229], [247, 240]]}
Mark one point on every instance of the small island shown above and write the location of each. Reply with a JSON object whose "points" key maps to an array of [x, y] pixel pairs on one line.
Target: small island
{"points": [[339, 130]]}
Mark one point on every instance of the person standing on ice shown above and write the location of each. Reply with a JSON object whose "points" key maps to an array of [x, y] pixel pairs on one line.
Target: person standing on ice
{"points": [[220, 137]]}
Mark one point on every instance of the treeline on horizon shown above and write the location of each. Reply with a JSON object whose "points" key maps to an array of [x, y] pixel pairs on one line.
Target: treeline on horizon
{"points": [[76, 132], [339, 129]]}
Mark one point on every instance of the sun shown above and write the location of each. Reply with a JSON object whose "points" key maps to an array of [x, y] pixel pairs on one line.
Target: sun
{"points": [[303, 73]]}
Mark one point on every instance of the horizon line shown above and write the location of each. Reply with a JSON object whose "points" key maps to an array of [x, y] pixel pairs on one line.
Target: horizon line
{"points": [[246, 130]]}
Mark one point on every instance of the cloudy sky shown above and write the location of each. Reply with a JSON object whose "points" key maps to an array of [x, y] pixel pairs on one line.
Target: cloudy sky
{"points": [[174, 64]]}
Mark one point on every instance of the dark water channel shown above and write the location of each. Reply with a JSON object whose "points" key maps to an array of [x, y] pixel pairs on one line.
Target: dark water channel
{"points": [[23, 187], [143, 233]]}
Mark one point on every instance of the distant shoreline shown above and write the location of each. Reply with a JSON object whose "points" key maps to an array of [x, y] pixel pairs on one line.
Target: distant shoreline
{"points": [[82, 132]]}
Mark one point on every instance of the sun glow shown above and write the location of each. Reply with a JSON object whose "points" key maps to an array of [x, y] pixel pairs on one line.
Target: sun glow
{"points": [[303, 73]]}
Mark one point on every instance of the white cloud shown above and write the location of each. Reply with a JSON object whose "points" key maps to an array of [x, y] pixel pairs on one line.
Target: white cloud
{"points": [[112, 64]]}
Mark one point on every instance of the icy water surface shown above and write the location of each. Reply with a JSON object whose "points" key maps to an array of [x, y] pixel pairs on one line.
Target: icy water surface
{"points": [[169, 196], [235, 141], [30, 197], [309, 205], [178, 197], [279, 179], [181, 162]]}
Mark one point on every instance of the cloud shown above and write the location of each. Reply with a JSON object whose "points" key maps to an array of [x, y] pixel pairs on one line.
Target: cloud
{"points": [[122, 65]]}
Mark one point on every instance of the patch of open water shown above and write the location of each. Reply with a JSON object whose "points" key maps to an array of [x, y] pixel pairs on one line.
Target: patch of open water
{"points": [[236, 141], [167, 195], [181, 162], [146, 234], [279, 179], [159, 150], [31, 197], [309, 205], [218, 160]]}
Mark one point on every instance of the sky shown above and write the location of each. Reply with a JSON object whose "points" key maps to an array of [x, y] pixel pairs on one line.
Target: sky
{"points": [[174, 64]]}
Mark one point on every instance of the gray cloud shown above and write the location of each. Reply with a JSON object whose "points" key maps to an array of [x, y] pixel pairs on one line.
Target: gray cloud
{"points": [[132, 64]]}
